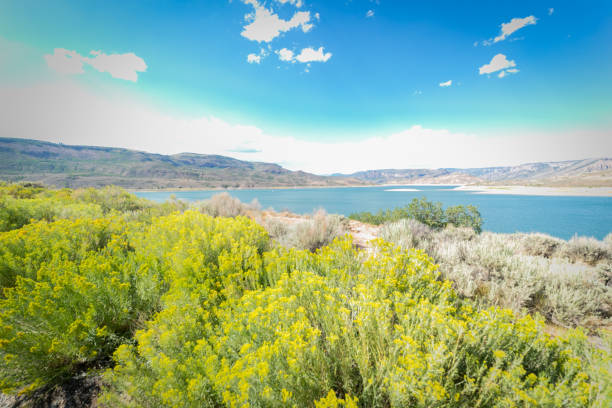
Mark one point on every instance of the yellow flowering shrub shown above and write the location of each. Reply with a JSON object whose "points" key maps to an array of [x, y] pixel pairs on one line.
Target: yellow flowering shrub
{"points": [[25, 250], [194, 311], [333, 329]]}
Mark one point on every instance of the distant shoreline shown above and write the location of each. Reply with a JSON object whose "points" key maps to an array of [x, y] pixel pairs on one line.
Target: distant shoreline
{"points": [[540, 191], [477, 189]]}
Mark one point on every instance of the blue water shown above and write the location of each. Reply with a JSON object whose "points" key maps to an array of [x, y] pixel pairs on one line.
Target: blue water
{"points": [[560, 216]]}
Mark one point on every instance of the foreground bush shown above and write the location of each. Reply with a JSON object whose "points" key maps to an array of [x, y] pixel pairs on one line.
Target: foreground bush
{"points": [[70, 311], [428, 213], [71, 314], [331, 329]]}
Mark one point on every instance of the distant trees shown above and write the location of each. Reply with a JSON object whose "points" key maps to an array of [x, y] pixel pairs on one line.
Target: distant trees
{"points": [[427, 212]]}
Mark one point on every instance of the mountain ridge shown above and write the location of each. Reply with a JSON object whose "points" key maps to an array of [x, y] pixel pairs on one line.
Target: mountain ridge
{"points": [[582, 172], [83, 166]]}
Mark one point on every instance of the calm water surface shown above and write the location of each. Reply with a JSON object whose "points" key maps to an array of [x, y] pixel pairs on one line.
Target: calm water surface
{"points": [[560, 216]]}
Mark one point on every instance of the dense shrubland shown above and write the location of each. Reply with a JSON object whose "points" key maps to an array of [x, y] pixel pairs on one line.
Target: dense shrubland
{"points": [[180, 308], [568, 282]]}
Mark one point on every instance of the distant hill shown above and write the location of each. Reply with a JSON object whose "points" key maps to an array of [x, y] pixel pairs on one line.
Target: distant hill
{"points": [[588, 173], [82, 166]]}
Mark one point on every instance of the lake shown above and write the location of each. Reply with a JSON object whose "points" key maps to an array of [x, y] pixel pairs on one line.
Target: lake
{"points": [[560, 216]]}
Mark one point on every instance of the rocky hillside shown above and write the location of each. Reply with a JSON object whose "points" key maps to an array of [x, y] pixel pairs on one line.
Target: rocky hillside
{"points": [[79, 166], [588, 172]]}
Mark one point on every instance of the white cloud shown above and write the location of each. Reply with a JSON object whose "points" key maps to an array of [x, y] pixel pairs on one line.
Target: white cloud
{"points": [[264, 25], [447, 83], [551, 11], [72, 114], [253, 58], [306, 56], [285, 55], [65, 61], [121, 66], [256, 58], [497, 63], [296, 3], [312, 55], [370, 13], [514, 25], [507, 72]]}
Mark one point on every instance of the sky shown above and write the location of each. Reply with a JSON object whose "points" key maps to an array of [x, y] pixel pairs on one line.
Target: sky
{"points": [[320, 86]]}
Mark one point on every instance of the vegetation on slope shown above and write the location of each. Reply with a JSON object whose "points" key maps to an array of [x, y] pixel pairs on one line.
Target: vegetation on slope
{"points": [[180, 308], [90, 166]]}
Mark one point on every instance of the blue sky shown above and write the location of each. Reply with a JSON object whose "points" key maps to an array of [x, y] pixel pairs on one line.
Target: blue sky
{"points": [[361, 77]]}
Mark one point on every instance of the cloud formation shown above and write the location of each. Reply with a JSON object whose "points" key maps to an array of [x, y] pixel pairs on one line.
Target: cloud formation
{"points": [[498, 62], [70, 113], [306, 56], [370, 13], [551, 11], [506, 72], [514, 25], [447, 83], [65, 61], [296, 3], [121, 66], [311, 55], [264, 25], [285, 55], [253, 59]]}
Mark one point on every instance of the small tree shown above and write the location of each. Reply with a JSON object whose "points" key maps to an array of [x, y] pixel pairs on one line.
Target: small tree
{"points": [[427, 212], [461, 216]]}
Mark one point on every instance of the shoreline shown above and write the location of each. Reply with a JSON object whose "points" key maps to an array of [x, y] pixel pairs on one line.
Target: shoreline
{"points": [[539, 191], [476, 189], [178, 190]]}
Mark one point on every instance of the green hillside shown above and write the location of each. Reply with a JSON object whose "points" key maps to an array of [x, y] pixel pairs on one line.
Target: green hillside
{"points": [[84, 166]]}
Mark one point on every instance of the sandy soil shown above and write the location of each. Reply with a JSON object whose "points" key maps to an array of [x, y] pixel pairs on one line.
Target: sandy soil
{"points": [[542, 191]]}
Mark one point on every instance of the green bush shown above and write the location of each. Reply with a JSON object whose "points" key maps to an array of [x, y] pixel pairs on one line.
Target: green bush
{"points": [[71, 315], [428, 213], [111, 198], [24, 251]]}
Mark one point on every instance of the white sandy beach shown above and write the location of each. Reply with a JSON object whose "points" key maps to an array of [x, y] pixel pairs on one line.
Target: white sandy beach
{"points": [[542, 191]]}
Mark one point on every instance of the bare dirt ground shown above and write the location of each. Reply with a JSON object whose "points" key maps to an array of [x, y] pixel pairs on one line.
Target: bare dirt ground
{"points": [[363, 233]]}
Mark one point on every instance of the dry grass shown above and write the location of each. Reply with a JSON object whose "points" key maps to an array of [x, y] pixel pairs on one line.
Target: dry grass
{"points": [[224, 205], [311, 233]]}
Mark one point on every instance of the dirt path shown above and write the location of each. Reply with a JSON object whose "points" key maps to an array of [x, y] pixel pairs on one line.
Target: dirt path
{"points": [[363, 233]]}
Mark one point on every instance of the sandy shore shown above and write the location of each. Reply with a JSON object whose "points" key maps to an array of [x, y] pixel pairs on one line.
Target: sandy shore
{"points": [[541, 191]]}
